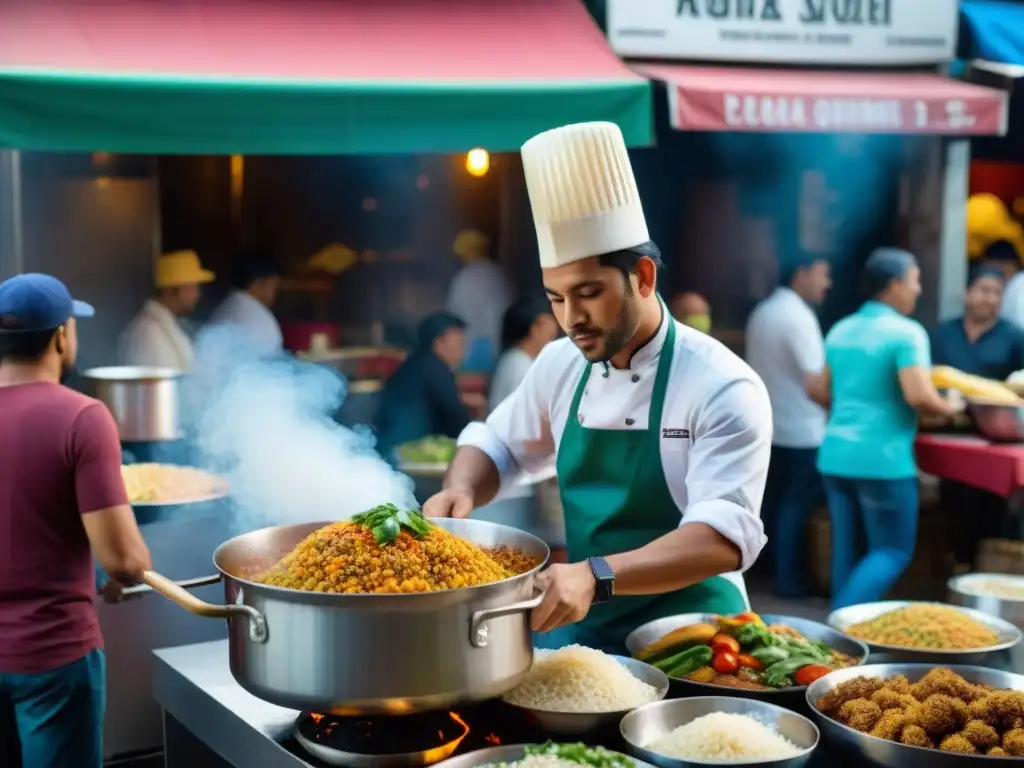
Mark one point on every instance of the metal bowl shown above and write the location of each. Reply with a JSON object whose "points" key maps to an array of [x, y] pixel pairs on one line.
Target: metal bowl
{"points": [[875, 751], [652, 721], [845, 618], [647, 633], [508, 753], [998, 422], [968, 591], [581, 723]]}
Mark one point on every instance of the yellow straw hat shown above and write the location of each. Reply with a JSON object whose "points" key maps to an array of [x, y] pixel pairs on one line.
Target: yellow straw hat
{"points": [[181, 268]]}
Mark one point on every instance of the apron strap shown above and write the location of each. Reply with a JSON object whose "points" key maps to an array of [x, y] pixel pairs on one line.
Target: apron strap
{"points": [[661, 378]]}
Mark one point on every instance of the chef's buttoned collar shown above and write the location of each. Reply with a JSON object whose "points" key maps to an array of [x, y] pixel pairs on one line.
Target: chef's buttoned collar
{"points": [[646, 353]]}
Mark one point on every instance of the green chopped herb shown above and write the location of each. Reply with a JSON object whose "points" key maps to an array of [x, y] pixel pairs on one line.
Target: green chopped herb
{"points": [[595, 757], [387, 521]]}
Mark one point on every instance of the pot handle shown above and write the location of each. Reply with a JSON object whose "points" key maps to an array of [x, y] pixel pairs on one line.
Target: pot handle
{"points": [[479, 635], [142, 589], [177, 593]]}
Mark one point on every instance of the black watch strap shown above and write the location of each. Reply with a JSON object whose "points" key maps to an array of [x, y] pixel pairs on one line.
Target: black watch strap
{"points": [[604, 579]]}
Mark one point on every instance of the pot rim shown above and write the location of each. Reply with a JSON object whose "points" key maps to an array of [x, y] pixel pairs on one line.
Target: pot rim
{"points": [[397, 601]]}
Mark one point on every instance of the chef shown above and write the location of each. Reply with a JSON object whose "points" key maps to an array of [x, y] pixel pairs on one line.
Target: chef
{"points": [[155, 337], [659, 434]]}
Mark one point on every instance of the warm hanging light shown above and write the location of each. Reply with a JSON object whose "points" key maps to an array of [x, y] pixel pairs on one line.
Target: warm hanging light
{"points": [[478, 162]]}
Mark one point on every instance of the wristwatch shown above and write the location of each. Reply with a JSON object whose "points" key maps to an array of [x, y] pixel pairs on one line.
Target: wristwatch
{"points": [[604, 579]]}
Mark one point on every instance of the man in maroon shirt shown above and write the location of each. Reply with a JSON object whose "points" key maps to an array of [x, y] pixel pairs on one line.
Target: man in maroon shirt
{"points": [[62, 500]]}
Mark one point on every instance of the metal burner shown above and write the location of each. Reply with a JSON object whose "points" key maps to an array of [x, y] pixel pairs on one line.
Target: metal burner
{"points": [[382, 742]]}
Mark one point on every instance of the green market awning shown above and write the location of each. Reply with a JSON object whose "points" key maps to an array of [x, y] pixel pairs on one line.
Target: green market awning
{"points": [[306, 76]]}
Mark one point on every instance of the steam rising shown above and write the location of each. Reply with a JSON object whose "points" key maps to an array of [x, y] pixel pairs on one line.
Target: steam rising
{"points": [[267, 426]]}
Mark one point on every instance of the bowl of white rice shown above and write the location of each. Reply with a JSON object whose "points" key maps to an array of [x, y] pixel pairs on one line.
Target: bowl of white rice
{"points": [[576, 690], [719, 730]]}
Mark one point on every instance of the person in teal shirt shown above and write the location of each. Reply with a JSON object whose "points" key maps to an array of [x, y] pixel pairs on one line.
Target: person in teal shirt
{"points": [[876, 381]]}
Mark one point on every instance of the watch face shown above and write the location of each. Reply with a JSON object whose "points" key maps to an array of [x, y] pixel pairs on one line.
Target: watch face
{"points": [[604, 578]]}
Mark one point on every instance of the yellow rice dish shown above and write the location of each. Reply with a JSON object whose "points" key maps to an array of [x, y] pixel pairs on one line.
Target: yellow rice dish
{"points": [[927, 627], [170, 484]]}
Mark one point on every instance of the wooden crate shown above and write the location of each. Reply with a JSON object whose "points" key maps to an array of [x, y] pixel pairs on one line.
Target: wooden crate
{"points": [[1001, 556]]}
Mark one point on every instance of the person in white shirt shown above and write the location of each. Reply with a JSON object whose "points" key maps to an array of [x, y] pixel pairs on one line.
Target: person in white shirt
{"points": [[659, 434], [785, 346], [1002, 255], [155, 337], [479, 294], [248, 307], [527, 327]]}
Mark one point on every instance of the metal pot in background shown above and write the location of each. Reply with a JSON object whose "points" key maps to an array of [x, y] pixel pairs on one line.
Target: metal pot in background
{"points": [[143, 400], [974, 590]]}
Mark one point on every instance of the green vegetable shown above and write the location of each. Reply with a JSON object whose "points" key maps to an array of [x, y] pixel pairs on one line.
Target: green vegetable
{"points": [[770, 654], [687, 661], [387, 521], [596, 757], [755, 635], [819, 651], [778, 674]]}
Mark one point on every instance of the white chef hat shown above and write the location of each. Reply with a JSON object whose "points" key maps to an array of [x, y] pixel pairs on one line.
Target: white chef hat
{"points": [[583, 194]]}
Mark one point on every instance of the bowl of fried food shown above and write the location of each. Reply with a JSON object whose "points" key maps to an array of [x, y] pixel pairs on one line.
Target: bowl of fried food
{"points": [[925, 633], [919, 715]]}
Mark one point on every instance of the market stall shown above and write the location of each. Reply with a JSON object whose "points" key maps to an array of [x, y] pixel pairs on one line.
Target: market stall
{"points": [[235, 77]]}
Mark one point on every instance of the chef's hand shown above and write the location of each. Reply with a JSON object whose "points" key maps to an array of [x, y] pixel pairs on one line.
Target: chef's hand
{"points": [[449, 503], [569, 591]]}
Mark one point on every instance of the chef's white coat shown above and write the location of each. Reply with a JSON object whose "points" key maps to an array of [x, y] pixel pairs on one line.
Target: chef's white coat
{"points": [[155, 338], [716, 428], [253, 318]]}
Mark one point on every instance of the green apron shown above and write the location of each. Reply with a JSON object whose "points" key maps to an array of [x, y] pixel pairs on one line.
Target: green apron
{"points": [[616, 499]]}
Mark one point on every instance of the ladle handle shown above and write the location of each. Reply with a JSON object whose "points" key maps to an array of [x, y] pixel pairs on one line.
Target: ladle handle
{"points": [[176, 593], [479, 635]]}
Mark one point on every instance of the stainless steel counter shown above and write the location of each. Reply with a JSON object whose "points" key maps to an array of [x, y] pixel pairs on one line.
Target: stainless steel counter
{"points": [[194, 687]]}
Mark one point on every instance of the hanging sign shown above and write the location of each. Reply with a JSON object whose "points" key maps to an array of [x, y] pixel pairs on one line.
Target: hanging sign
{"points": [[835, 32]]}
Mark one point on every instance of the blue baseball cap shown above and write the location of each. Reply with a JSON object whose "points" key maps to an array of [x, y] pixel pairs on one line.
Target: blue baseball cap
{"points": [[35, 302]]}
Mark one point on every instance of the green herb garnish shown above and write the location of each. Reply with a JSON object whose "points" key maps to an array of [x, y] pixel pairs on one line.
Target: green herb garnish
{"points": [[386, 521], [595, 757]]}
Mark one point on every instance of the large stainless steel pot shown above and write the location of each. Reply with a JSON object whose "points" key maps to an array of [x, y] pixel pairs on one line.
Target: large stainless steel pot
{"points": [[144, 400], [350, 654]]}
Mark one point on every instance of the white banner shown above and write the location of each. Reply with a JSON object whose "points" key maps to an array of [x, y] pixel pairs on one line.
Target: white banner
{"points": [[838, 32]]}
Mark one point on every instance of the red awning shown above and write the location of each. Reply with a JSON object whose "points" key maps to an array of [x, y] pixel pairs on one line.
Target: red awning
{"points": [[306, 76], [775, 100]]}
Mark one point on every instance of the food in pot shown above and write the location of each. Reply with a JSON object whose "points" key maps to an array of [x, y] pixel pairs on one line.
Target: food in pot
{"points": [[388, 550], [435, 449], [1003, 588], [167, 483], [925, 626], [552, 755], [743, 652], [941, 711], [724, 738], [579, 679]]}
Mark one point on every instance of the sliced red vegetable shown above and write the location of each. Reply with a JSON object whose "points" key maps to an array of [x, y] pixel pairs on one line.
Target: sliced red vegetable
{"points": [[810, 673], [725, 663], [723, 642], [749, 662]]}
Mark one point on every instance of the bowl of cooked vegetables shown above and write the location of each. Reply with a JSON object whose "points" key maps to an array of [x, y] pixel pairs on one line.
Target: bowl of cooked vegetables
{"points": [[161, 491], [549, 755], [576, 690], [898, 631], [747, 655], [920, 715], [680, 733]]}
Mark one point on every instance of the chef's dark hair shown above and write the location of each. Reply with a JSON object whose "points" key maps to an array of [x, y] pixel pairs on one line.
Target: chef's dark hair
{"points": [[519, 319], [25, 345], [626, 260], [883, 266]]}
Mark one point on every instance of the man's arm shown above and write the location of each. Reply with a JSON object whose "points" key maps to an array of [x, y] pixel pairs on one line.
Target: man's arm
{"points": [[721, 528], [516, 438], [109, 521]]}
